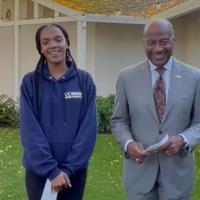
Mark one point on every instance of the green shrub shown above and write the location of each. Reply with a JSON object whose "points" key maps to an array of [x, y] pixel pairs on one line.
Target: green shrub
{"points": [[9, 116], [104, 112]]}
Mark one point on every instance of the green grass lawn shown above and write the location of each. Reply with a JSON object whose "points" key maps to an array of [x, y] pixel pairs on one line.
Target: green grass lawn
{"points": [[104, 176]]}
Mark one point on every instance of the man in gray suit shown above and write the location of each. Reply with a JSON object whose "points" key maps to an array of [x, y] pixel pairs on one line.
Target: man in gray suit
{"points": [[158, 97]]}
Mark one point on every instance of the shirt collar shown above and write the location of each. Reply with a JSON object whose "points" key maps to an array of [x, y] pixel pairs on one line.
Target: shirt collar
{"points": [[167, 66]]}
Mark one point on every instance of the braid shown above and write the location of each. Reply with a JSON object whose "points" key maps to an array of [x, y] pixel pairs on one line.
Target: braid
{"points": [[81, 83]]}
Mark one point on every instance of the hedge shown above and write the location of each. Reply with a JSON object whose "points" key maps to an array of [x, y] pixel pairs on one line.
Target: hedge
{"points": [[9, 112], [104, 112], [9, 115]]}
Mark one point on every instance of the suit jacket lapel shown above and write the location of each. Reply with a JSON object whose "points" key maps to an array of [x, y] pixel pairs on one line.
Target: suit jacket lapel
{"points": [[176, 78]]}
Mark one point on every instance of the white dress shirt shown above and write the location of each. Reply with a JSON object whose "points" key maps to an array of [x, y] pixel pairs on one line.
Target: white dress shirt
{"points": [[166, 76]]}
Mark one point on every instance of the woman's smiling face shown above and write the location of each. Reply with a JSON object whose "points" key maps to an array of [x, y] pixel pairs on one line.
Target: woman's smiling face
{"points": [[53, 45]]}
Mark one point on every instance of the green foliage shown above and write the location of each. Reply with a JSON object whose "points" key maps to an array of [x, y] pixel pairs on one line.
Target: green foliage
{"points": [[104, 180], [11, 170], [104, 174], [104, 111], [9, 116]]}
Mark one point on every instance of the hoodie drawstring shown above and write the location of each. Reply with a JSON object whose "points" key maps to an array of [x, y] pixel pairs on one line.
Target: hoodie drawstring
{"points": [[64, 102], [51, 105]]}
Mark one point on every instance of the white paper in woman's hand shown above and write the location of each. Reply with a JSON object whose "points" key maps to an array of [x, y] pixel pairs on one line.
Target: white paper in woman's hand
{"points": [[47, 193]]}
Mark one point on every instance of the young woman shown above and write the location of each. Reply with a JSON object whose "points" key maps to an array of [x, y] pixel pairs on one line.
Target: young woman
{"points": [[57, 119]]}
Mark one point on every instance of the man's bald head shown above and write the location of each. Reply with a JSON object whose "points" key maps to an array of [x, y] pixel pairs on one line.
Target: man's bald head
{"points": [[165, 24]]}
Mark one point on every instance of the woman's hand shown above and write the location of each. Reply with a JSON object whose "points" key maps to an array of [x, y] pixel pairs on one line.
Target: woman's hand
{"points": [[60, 182]]}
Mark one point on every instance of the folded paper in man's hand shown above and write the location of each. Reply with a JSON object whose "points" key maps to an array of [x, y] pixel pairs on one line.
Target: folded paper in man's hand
{"points": [[156, 146]]}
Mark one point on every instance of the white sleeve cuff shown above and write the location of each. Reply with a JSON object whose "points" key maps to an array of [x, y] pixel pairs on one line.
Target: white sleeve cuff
{"points": [[185, 141], [126, 144]]}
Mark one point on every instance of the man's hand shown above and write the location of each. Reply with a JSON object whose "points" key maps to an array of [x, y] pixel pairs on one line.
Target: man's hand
{"points": [[60, 182], [173, 146], [136, 151]]}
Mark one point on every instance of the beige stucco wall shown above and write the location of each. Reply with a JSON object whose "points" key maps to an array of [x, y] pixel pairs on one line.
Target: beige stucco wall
{"points": [[179, 42], [28, 55], [110, 47], [117, 46], [91, 49], [187, 38], [6, 61], [192, 39]]}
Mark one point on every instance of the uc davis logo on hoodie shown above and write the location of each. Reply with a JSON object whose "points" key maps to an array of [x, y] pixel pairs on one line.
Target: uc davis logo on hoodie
{"points": [[73, 95]]}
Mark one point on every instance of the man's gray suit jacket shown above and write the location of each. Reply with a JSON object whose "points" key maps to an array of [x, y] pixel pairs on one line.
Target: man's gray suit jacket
{"points": [[135, 117]]}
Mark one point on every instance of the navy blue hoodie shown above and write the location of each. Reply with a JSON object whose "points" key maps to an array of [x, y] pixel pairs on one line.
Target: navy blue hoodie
{"points": [[57, 121]]}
